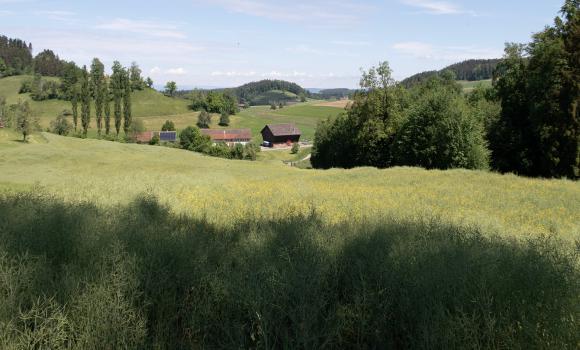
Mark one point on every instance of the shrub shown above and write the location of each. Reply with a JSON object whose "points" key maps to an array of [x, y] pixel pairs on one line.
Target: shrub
{"points": [[224, 119], [168, 126], [295, 148], [61, 125], [204, 120], [191, 139], [154, 140]]}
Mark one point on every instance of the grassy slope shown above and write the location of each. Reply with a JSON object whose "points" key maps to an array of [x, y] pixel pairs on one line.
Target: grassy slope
{"points": [[105, 172], [146, 103], [468, 86]]}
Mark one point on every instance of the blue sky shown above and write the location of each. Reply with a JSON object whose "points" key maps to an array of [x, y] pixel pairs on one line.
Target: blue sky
{"points": [[316, 43]]}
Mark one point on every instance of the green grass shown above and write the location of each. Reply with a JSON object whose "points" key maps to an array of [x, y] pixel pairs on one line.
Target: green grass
{"points": [[145, 103], [109, 245], [468, 86]]}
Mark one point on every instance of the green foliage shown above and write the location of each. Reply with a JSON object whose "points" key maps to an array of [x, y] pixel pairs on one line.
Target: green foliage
{"points": [[117, 89], [214, 102], [136, 127], [3, 68], [441, 133], [136, 81], [295, 148], [25, 124], [538, 132], [204, 120], [149, 82], [85, 97], [154, 140], [98, 86], [168, 126], [264, 91], [273, 106], [137, 276], [224, 119], [61, 125], [192, 139], [470, 70], [47, 63], [170, 88], [16, 55], [127, 110]]}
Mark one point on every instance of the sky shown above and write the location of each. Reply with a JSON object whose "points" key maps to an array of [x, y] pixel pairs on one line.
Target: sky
{"points": [[315, 43]]}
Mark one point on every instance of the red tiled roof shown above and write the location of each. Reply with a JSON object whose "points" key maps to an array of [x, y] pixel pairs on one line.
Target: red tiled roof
{"points": [[283, 129], [145, 136], [228, 135]]}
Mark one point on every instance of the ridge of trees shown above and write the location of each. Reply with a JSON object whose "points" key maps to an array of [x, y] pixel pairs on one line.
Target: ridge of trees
{"points": [[470, 70]]}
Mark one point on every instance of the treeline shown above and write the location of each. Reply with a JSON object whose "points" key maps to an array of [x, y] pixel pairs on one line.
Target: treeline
{"points": [[528, 123], [471, 70], [327, 94], [223, 102], [15, 56], [246, 93]]}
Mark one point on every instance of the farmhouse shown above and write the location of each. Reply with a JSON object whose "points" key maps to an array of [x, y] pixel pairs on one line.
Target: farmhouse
{"points": [[281, 135], [144, 137], [230, 137]]}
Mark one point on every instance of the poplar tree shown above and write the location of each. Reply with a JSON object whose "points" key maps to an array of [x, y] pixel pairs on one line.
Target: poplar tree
{"points": [[75, 104], [127, 116], [107, 107], [85, 101], [97, 81], [117, 90]]}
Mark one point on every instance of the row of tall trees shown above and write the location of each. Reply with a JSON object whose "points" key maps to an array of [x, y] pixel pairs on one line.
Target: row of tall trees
{"points": [[528, 123], [94, 87]]}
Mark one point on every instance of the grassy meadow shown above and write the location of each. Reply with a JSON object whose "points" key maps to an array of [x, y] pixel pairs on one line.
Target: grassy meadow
{"points": [[109, 245]]}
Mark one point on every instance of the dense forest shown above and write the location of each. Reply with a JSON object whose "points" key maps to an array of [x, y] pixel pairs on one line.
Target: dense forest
{"points": [[246, 93], [327, 94], [470, 70], [528, 123], [15, 56]]}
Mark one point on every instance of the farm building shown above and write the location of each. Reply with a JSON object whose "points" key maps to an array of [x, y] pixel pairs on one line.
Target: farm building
{"points": [[281, 135], [230, 137], [144, 137]]}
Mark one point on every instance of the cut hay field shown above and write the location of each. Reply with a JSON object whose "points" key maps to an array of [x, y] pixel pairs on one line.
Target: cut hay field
{"points": [[106, 245], [468, 86]]}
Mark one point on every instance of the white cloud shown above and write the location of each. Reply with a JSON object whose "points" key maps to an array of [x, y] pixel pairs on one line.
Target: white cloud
{"points": [[233, 74], [155, 70], [350, 43], [57, 15], [436, 7], [317, 12], [161, 30], [176, 71], [445, 53]]}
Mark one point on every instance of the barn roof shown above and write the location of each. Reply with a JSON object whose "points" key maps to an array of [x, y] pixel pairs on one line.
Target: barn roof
{"points": [[228, 134], [145, 136], [283, 129]]}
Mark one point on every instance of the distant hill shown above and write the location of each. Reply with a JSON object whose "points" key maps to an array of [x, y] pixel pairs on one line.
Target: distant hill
{"points": [[470, 70]]}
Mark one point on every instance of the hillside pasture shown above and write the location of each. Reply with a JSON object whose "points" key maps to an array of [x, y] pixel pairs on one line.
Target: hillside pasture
{"points": [[109, 245]]}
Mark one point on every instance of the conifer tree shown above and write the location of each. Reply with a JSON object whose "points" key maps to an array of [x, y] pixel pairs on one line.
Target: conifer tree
{"points": [[127, 115], [117, 91], [97, 82], [85, 101]]}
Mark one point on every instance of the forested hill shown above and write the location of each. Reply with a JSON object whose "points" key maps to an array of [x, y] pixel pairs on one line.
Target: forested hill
{"points": [[470, 70], [248, 92]]}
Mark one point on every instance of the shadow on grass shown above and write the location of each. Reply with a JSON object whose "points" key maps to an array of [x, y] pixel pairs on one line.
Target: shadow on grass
{"points": [[80, 276]]}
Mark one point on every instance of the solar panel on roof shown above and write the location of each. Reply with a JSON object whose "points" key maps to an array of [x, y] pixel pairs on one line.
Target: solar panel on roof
{"points": [[168, 136]]}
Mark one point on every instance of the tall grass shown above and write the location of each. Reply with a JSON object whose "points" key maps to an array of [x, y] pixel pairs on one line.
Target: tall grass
{"points": [[79, 276]]}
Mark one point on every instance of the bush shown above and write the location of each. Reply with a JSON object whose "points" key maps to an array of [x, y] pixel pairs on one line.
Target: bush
{"points": [[441, 133], [168, 126], [204, 120], [61, 125], [295, 148], [191, 139], [154, 140], [224, 119]]}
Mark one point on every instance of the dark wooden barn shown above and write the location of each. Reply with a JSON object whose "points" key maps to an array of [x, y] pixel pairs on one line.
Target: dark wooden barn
{"points": [[281, 135]]}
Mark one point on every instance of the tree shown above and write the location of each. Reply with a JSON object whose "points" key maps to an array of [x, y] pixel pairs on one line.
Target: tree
{"points": [[135, 77], [3, 68], [85, 101], [224, 119], [47, 63], [127, 113], [168, 126], [75, 97], [98, 84], [204, 120], [273, 106], [61, 125], [107, 106], [295, 148], [192, 139], [440, 133], [24, 122], [170, 88], [117, 91], [149, 82]]}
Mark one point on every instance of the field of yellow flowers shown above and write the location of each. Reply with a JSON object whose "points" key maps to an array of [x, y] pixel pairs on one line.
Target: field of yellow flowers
{"points": [[224, 191]]}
